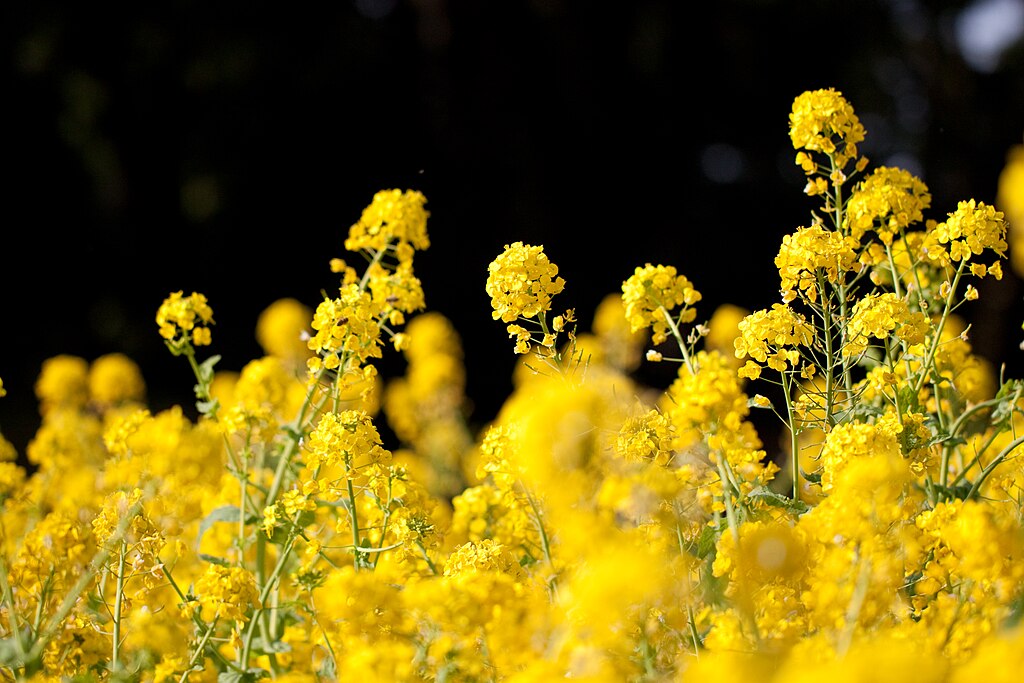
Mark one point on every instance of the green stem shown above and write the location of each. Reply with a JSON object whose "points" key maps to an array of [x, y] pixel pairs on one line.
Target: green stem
{"points": [[794, 446], [538, 520], [929, 359], [992, 465], [118, 598], [955, 427], [12, 612], [357, 556], [730, 512], [678, 337], [197, 652], [826, 316]]}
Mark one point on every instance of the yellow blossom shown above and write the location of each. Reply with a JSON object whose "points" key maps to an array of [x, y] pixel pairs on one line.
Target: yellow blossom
{"points": [[521, 282], [226, 593], [652, 293], [185, 320], [824, 121], [392, 216], [810, 251]]}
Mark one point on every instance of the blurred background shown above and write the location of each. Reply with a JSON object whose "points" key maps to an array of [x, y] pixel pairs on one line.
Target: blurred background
{"points": [[226, 148]]}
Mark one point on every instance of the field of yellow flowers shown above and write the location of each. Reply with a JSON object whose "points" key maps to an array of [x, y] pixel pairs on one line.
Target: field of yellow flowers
{"points": [[598, 529]]}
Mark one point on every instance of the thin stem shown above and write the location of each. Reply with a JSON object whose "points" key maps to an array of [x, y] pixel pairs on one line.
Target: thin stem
{"points": [[12, 612], [730, 512], [118, 599], [929, 359], [358, 558], [992, 465], [678, 337], [197, 652], [794, 445]]}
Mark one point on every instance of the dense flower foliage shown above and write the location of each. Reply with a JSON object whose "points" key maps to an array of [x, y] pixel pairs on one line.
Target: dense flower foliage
{"points": [[597, 529]]}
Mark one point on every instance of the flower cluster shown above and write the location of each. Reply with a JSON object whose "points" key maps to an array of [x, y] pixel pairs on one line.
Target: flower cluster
{"points": [[185, 320]]}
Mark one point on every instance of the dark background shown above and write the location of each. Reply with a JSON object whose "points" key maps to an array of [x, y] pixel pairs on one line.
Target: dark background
{"points": [[226, 147]]}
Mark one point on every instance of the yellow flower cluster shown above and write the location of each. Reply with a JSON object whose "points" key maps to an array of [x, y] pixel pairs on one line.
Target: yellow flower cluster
{"points": [[971, 229], [185, 320], [395, 220], [598, 528], [883, 316], [650, 295], [521, 282], [765, 335], [824, 121], [888, 201], [812, 256]]}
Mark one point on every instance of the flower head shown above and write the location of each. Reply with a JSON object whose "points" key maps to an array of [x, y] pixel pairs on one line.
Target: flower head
{"points": [[646, 438], [63, 382], [521, 282], [806, 252], [349, 439], [971, 229], [823, 121], [878, 316], [887, 201], [771, 337], [185, 320], [346, 329], [228, 592], [282, 329], [115, 378], [651, 294], [392, 216]]}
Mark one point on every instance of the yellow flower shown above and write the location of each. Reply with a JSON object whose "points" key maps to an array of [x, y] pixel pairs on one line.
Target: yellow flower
{"points": [[1010, 199], [808, 251], [349, 439], [972, 228], [115, 378], [887, 201], [63, 382], [227, 592], [882, 315], [823, 121], [646, 438], [185, 320], [392, 216], [650, 295], [765, 335], [347, 330], [521, 282], [484, 555], [282, 330]]}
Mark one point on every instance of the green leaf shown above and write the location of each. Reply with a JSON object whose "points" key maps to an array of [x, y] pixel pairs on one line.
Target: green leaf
{"points": [[206, 369], [260, 646], [207, 408], [225, 513], [213, 559], [813, 477], [9, 654], [706, 541], [242, 676], [778, 500]]}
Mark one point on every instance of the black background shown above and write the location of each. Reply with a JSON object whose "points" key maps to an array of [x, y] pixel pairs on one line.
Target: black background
{"points": [[613, 133]]}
